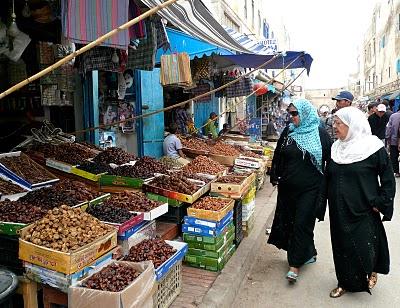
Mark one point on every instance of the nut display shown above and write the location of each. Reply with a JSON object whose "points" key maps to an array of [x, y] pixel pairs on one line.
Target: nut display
{"points": [[114, 156], [175, 183], [135, 202], [203, 164], [109, 213], [9, 188], [195, 144], [77, 190], [65, 229], [144, 168], [221, 148], [95, 168], [171, 163], [231, 179], [113, 278], [27, 169], [19, 212], [48, 198], [155, 250], [211, 204]]}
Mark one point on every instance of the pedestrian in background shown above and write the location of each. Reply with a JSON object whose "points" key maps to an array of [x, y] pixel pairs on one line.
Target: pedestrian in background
{"points": [[297, 168], [210, 128], [360, 186], [329, 125], [343, 99], [392, 136], [378, 122], [371, 109]]}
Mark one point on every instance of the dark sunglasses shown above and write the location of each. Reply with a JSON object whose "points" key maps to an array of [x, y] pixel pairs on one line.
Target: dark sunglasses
{"points": [[294, 113]]}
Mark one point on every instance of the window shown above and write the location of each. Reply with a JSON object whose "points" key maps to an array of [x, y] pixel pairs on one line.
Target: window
{"points": [[229, 22], [245, 9], [383, 42], [266, 29], [259, 22], [252, 13]]}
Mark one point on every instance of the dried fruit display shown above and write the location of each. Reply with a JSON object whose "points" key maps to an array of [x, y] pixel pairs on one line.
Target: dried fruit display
{"points": [[109, 213], [77, 190], [144, 168], [203, 164], [135, 202], [114, 156], [70, 153], [231, 179], [195, 144], [65, 229], [48, 198], [171, 163], [211, 204], [175, 183], [19, 212], [27, 169], [221, 148], [9, 188], [155, 250], [112, 278], [192, 176], [95, 168]]}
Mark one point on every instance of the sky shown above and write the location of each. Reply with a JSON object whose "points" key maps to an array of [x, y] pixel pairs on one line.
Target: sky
{"points": [[330, 31]]}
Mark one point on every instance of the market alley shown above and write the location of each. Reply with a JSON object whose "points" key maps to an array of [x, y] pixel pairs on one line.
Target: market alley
{"points": [[266, 285]]}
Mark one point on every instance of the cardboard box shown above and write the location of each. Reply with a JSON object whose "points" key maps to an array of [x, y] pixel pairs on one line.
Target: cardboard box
{"points": [[211, 215], [138, 294], [67, 263], [128, 233], [210, 264], [155, 213], [63, 281], [213, 254], [86, 175], [59, 165], [163, 199], [181, 250], [209, 242], [120, 181], [146, 232], [246, 162], [207, 231], [11, 228], [223, 159], [207, 223]]}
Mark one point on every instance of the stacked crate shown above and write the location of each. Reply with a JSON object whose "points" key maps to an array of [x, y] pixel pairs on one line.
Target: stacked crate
{"points": [[248, 211]]}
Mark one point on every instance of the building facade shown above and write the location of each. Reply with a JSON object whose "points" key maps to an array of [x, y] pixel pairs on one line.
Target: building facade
{"points": [[322, 97]]}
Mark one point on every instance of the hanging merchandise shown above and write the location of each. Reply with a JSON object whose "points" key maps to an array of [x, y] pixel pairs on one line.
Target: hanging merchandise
{"points": [[243, 87], [137, 31], [143, 57], [201, 89], [162, 37], [201, 68], [97, 58], [16, 71], [84, 21], [175, 70]]}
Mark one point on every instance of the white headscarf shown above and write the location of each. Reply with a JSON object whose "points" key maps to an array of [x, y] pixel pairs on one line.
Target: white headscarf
{"points": [[359, 143]]}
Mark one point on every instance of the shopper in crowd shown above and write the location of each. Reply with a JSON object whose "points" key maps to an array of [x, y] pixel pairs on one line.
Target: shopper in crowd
{"points": [[210, 128], [225, 129], [360, 187], [329, 125], [343, 99], [389, 111], [392, 137], [378, 122], [371, 109], [297, 168], [323, 119], [172, 146], [182, 118], [272, 132]]}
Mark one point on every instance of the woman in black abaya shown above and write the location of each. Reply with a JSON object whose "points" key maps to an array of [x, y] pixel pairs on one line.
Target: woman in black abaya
{"points": [[361, 185]]}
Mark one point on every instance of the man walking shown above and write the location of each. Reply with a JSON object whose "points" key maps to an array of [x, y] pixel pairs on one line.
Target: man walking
{"points": [[343, 99], [378, 122], [392, 136]]}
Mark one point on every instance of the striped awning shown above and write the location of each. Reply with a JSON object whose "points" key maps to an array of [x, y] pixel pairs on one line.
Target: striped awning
{"points": [[250, 44], [193, 17]]}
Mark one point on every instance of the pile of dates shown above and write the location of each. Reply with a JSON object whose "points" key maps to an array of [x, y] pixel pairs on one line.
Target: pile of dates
{"points": [[27, 169], [221, 148], [203, 164], [48, 198], [144, 168], [211, 204], [9, 188], [19, 212], [135, 202], [175, 183], [195, 144], [192, 176], [109, 213], [95, 168], [77, 190], [113, 278], [155, 250], [65, 229], [231, 179], [70, 153], [114, 156]]}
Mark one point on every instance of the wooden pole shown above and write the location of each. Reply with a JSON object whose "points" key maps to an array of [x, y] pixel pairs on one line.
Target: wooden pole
{"points": [[86, 48]]}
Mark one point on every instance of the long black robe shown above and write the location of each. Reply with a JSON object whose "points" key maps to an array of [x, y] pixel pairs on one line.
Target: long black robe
{"points": [[358, 237], [299, 187]]}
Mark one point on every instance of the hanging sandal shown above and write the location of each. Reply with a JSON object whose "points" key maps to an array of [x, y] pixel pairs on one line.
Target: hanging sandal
{"points": [[373, 279], [337, 292], [311, 261], [292, 276]]}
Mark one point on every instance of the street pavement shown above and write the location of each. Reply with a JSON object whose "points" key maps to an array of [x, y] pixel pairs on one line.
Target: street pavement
{"points": [[266, 286]]}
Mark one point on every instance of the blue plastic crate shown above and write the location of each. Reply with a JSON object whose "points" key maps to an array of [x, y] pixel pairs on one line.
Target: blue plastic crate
{"points": [[205, 231]]}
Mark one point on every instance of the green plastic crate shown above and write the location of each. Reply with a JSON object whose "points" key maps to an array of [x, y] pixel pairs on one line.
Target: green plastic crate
{"points": [[209, 242], [171, 202], [213, 254], [210, 264]]}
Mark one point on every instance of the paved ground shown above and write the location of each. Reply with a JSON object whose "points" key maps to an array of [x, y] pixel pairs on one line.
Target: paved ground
{"points": [[265, 285]]}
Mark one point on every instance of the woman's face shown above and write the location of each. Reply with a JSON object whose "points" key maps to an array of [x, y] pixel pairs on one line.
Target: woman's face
{"points": [[294, 115], [341, 130]]}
